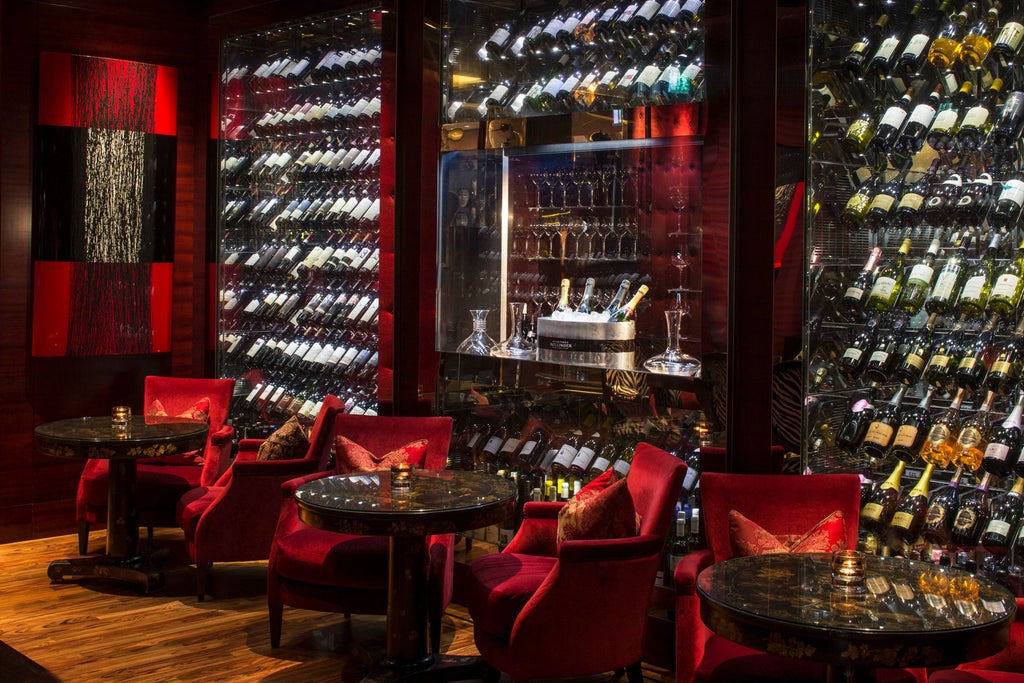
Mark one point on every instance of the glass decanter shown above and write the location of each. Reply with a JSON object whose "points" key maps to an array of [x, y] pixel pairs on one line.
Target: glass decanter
{"points": [[518, 345], [477, 343], [674, 361]]}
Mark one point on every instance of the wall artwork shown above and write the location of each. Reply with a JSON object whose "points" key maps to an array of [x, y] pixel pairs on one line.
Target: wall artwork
{"points": [[104, 207]]}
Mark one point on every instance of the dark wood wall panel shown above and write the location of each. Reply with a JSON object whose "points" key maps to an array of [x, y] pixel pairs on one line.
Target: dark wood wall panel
{"points": [[37, 492]]}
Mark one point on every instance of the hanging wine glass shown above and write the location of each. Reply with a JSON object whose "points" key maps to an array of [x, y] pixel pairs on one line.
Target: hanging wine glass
{"points": [[673, 361], [680, 200], [681, 262], [477, 343]]}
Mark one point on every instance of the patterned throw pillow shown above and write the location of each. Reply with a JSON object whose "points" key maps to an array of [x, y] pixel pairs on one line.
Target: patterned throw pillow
{"points": [[288, 442], [748, 538], [609, 513], [200, 410], [351, 457]]}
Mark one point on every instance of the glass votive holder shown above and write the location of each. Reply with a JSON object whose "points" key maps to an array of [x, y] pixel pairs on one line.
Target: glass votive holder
{"points": [[401, 476], [848, 570], [121, 420]]}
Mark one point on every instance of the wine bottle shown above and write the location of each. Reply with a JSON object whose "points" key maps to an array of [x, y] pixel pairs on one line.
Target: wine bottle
{"points": [[919, 122], [885, 353], [1007, 210], [881, 62], [971, 369], [973, 438], [853, 297], [856, 57], [588, 303], [908, 520], [942, 510], [978, 119], [912, 430], [1009, 123], [882, 427], [855, 423], [918, 282], [851, 363], [566, 453], [1006, 364], [945, 49], [975, 200], [950, 279], [628, 311], [856, 207], [1005, 516], [1008, 287], [1004, 446], [886, 288], [910, 208], [880, 210], [973, 300], [973, 515], [915, 49], [585, 455], [1008, 42], [860, 132], [910, 366], [876, 514], [892, 121], [940, 444], [978, 41], [940, 135]]}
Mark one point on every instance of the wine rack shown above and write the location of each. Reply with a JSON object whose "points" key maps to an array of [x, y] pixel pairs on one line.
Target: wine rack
{"points": [[300, 160], [914, 135]]}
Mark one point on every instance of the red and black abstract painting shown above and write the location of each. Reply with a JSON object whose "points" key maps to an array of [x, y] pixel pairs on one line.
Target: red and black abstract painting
{"points": [[103, 233]]}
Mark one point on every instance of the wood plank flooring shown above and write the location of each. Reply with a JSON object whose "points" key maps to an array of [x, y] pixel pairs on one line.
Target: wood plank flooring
{"points": [[109, 631]]}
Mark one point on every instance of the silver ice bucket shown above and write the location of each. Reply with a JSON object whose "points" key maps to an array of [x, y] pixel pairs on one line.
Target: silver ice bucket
{"points": [[608, 345]]}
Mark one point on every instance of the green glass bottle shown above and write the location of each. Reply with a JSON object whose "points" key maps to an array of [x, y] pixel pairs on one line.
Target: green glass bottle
{"points": [[918, 283], [886, 289], [974, 295], [950, 280], [1008, 287]]}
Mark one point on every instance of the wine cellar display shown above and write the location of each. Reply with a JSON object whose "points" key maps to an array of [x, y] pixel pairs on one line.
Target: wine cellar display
{"points": [[300, 164], [915, 271]]}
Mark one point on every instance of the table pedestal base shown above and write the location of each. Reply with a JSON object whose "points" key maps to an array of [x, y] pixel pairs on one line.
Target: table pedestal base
{"points": [[434, 669], [134, 571]]}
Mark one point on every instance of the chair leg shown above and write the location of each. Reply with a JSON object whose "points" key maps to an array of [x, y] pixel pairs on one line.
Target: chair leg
{"points": [[83, 538], [435, 633], [201, 569], [276, 617], [634, 673]]}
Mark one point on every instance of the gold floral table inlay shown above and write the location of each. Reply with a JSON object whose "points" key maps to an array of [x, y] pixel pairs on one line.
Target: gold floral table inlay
{"points": [[94, 438], [436, 502], [912, 614]]}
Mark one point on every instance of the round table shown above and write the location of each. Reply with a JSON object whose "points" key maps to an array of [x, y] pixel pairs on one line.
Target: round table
{"points": [[437, 502], [910, 614], [93, 438]]}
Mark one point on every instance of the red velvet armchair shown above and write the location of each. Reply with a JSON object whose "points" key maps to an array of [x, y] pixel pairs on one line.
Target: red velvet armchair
{"points": [[333, 572], [542, 609], [160, 483], [234, 520], [782, 504]]}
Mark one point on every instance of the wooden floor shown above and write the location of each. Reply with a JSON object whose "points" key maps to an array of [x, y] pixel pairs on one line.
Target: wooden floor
{"points": [[108, 631]]}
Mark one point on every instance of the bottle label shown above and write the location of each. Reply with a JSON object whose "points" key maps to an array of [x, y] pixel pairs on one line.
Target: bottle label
{"points": [[999, 527], [1013, 190], [965, 519], [622, 467], [600, 464], [1002, 366], [510, 445], [944, 121], [855, 293], [583, 457], [649, 75], [944, 285], [499, 37], [1005, 286], [997, 451], [853, 354], [922, 114], [975, 117], [911, 200], [887, 48], [922, 273], [973, 288], [884, 287], [879, 433], [565, 456], [970, 436], [858, 130], [915, 46], [871, 511], [967, 363], [882, 202], [939, 434], [1011, 36], [553, 86], [902, 520], [939, 360], [894, 116], [879, 358], [914, 360], [527, 449], [936, 513], [905, 436]]}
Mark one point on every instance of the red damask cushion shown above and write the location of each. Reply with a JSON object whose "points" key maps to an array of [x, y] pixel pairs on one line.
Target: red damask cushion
{"points": [[598, 483], [288, 442], [748, 538], [351, 457], [200, 410], [609, 513]]}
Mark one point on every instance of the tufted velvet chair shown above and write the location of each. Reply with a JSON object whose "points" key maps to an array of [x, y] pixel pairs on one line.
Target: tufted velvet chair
{"points": [[159, 485], [783, 504], [234, 519], [334, 572], [547, 610]]}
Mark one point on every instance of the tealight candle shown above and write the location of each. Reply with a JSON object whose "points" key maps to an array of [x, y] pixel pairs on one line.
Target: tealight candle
{"points": [[401, 475], [848, 570], [120, 420]]}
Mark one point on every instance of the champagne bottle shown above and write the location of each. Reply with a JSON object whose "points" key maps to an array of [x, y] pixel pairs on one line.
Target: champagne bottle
{"points": [[973, 438], [1004, 446], [886, 288], [853, 297], [910, 366], [1008, 287], [628, 311], [908, 520], [1005, 516], [882, 427], [855, 423], [563, 307], [974, 296], [1006, 365], [973, 515], [588, 303], [918, 282], [942, 510], [940, 444], [876, 514], [950, 280], [619, 298], [912, 430]]}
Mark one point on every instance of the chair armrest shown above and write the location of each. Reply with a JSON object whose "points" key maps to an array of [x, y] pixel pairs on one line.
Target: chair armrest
{"points": [[273, 468], [692, 564], [604, 549], [222, 436], [538, 533], [217, 455], [249, 445], [542, 509], [289, 487]]}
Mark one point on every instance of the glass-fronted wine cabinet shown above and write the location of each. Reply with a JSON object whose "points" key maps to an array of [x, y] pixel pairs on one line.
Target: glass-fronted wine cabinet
{"points": [[914, 270], [300, 217], [581, 280]]}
